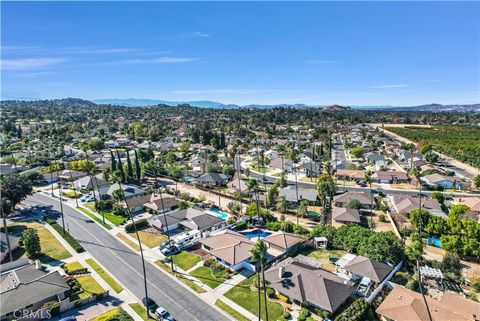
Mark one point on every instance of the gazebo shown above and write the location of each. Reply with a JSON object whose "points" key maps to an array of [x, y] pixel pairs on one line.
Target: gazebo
{"points": [[321, 242]]}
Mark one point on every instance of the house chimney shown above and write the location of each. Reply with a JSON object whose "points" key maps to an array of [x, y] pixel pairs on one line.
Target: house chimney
{"points": [[281, 270], [38, 265]]}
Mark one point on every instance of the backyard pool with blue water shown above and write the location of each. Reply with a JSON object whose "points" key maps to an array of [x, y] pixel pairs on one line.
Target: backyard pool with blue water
{"points": [[254, 233], [434, 241], [219, 213]]}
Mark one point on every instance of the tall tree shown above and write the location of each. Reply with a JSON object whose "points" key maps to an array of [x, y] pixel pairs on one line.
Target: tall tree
{"points": [[120, 168], [326, 188], [259, 257], [138, 169], [114, 163], [129, 166], [31, 242], [368, 180]]}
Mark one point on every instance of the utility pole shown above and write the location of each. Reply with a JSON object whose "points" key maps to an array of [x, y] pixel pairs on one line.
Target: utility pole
{"points": [[73, 184], [139, 244], [60, 199]]}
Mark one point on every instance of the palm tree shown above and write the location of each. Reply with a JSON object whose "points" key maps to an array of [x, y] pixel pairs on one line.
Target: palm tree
{"points": [[302, 209], [281, 204], [368, 180], [326, 188], [259, 256]]}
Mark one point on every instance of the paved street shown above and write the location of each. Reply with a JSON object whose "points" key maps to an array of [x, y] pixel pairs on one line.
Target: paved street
{"points": [[126, 266]]}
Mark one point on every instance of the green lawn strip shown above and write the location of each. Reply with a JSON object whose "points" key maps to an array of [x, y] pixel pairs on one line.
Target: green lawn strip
{"points": [[140, 310], [104, 275], [242, 295], [109, 216], [72, 194], [89, 286], [191, 284], [232, 312], [51, 248], [94, 217], [117, 314], [128, 241], [185, 260], [66, 236], [73, 267], [150, 239], [205, 275], [90, 206]]}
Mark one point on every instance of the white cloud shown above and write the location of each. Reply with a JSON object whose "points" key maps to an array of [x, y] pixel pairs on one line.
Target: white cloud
{"points": [[160, 60], [201, 34], [30, 63], [389, 86], [320, 61]]}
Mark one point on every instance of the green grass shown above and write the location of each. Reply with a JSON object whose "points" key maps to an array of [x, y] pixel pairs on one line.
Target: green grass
{"points": [[261, 169], [94, 217], [140, 310], [127, 240], [191, 284], [90, 206], [149, 239], [72, 194], [114, 219], [104, 275], [232, 312], [205, 275], [51, 248], [73, 267], [89, 286], [117, 314], [323, 256], [66, 236], [185, 260], [242, 295]]}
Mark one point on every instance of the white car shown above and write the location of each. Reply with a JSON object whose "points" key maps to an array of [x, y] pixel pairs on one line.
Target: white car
{"points": [[87, 198], [162, 315]]}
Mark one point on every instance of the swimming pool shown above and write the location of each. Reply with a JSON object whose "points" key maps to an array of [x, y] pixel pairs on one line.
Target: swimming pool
{"points": [[434, 241], [219, 213], [254, 233]]}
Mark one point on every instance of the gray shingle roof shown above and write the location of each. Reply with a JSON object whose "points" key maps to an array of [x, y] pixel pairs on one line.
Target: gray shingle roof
{"points": [[290, 194], [376, 271]]}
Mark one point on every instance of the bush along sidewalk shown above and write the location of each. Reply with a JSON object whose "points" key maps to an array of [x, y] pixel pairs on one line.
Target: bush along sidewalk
{"points": [[70, 240]]}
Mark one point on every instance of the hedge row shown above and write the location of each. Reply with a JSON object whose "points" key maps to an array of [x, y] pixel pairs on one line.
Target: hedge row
{"points": [[140, 224], [70, 240]]}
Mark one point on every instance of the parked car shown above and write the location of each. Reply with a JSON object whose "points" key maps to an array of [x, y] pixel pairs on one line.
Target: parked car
{"points": [[170, 250], [87, 198], [162, 315], [364, 286], [68, 318], [164, 245], [150, 304]]}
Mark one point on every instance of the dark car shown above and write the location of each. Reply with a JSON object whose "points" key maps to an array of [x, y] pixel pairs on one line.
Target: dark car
{"points": [[150, 304]]}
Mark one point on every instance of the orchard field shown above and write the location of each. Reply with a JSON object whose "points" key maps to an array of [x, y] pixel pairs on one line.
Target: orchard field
{"points": [[459, 142]]}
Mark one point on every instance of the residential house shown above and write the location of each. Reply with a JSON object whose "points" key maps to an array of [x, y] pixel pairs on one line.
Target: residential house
{"points": [[294, 195], [345, 215], [231, 249], [271, 154], [390, 177], [162, 204], [28, 288], [237, 185], [71, 175], [90, 183], [442, 181], [474, 206], [198, 163], [402, 304], [350, 174], [130, 191], [404, 204], [365, 198], [136, 204], [362, 266], [191, 218], [213, 180], [308, 285], [49, 178], [311, 168], [283, 242], [282, 164]]}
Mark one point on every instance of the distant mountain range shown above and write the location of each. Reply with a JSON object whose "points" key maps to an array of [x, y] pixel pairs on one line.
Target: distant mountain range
{"points": [[135, 102]]}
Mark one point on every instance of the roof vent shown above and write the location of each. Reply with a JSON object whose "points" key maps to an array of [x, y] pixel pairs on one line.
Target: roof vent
{"points": [[281, 270]]}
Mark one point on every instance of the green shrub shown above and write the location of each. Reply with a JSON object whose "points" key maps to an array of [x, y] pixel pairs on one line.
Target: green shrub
{"points": [[241, 226], [140, 224], [70, 240]]}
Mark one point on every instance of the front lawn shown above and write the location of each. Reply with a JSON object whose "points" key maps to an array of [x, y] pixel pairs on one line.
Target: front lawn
{"points": [[72, 194], [104, 275], [94, 217], [109, 216], [149, 238], [323, 256], [205, 275], [261, 169], [127, 240], [242, 295], [52, 249], [231, 311], [185, 260], [89, 286], [140, 310], [73, 268], [117, 314]]}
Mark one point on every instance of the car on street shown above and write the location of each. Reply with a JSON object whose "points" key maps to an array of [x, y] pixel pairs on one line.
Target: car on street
{"points": [[87, 198], [162, 315], [151, 305]]}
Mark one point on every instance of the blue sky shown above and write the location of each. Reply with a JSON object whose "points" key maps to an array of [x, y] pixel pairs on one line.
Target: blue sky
{"points": [[351, 53]]}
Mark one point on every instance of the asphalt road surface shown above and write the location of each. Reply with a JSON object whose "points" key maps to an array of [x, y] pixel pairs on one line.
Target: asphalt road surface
{"points": [[126, 266]]}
